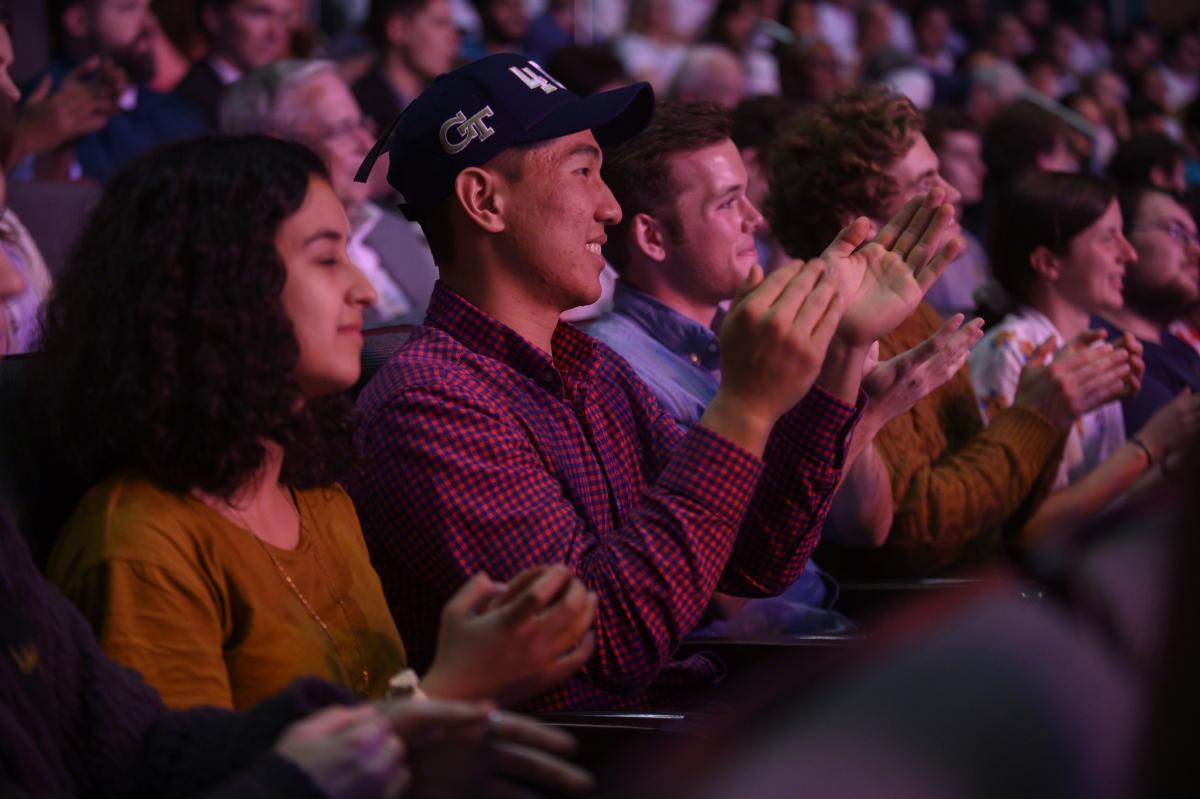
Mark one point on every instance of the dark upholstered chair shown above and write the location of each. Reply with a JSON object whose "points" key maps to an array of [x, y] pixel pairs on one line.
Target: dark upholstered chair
{"points": [[54, 213], [39, 488], [379, 344]]}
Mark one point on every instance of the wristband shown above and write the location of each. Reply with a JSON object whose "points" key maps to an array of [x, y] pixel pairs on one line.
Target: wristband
{"points": [[405, 685]]}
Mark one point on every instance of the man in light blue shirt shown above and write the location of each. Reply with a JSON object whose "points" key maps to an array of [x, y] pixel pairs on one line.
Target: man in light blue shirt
{"points": [[684, 247], [677, 355]]}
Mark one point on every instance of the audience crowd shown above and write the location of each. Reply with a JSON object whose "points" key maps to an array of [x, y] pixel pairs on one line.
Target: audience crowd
{"points": [[419, 358]]}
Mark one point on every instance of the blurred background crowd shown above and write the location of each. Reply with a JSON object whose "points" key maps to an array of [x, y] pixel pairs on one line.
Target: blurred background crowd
{"points": [[1083, 85]]}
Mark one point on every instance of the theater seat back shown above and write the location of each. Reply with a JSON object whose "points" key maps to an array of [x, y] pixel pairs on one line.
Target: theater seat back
{"points": [[54, 213], [38, 486], [379, 344]]}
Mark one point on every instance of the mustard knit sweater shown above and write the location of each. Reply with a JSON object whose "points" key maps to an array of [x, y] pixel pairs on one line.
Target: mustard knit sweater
{"points": [[956, 486]]}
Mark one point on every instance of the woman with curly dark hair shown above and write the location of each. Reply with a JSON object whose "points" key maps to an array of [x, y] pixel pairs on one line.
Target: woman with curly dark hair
{"points": [[197, 349]]}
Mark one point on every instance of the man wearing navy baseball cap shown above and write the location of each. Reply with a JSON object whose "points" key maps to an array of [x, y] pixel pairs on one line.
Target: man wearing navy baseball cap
{"points": [[500, 438]]}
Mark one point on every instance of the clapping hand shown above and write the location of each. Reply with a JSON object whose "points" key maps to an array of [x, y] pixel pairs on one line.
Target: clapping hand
{"points": [[460, 749], [1064, 385], [348, 752], [510, 642], [82, 104], [897, 384], [884, 278]]}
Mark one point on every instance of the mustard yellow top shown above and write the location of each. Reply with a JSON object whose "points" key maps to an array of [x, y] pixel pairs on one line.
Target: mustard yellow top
{"points": [[195, 603]]}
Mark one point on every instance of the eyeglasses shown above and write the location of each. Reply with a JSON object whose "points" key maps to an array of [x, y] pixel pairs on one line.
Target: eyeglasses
{"points": [[346, 129], [1178, 233]]}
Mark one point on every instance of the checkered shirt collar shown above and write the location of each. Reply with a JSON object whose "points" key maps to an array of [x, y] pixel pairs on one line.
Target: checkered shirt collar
{"points": [[575, 356]]}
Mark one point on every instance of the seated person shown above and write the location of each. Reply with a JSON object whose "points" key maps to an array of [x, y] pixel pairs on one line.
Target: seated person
{"points": [[24, 278], [958, 146], [753, 126], [501, 437], [684, 245], [1153, 159], [954, 483], [1022, 137], [76, 723], [120, 31], [242, 35], [1061, 258], [503, 26], [192, 369], [1160, 287], [415, 41], [308, 102]]}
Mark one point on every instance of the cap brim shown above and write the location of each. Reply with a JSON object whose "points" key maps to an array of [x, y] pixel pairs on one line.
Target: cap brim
{"points": [[613, 116]]}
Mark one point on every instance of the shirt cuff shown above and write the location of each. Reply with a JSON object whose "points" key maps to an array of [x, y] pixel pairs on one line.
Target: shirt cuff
{"points": [[819, 429], [712, 471]]}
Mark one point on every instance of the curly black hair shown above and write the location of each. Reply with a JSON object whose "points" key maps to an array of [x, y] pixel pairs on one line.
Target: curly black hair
{"points": [[166, 349]]}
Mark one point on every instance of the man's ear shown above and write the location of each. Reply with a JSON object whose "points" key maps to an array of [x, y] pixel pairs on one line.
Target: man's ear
{"points": [[396, 29], [479, 192], [76, 20], [1045, 263], [1159, 178], [750, 158], [649, 237]]}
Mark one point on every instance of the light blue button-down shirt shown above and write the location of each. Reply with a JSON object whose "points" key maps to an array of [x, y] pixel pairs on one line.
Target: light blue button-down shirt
{"points": [[680, 360]]}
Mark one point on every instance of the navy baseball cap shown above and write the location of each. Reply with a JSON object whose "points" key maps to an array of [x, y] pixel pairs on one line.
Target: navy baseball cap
{"points": [[471, 115]]}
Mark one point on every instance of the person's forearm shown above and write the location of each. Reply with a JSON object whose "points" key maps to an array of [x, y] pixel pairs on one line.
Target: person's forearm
{"points": [[22, 147], [946, 496], [28, 141], [54, 165], [861, 515], [211, 752], [1121, 472], [732, 419], [738, 421], [841, 372], [804, 463]]}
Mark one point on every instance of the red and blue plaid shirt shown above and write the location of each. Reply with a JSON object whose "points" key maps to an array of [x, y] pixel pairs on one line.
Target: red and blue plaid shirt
{"points": [[487, 455]]}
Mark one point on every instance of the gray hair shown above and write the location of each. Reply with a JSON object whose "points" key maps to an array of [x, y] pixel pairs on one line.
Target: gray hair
{"points": [[260, 101], [698, 67]]}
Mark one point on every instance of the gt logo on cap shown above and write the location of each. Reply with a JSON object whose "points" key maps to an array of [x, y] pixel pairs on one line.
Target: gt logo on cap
{"points": [[465, 129], [541, 79]]}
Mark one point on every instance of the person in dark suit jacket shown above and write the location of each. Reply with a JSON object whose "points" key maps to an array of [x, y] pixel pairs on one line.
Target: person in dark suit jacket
{"points": [[416, 41], [242, 35]]}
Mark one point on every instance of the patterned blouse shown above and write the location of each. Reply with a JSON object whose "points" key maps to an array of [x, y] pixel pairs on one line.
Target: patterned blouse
{"points": [[996, 364]]}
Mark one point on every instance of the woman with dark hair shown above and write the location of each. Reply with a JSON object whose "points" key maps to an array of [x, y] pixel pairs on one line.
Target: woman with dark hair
{"points": [[1058, 256], [197, 349]]}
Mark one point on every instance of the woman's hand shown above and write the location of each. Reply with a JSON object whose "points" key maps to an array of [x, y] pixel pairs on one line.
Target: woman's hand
{"points": [[1137, 363], [349, 752], [1075, 380], [512, 642]]}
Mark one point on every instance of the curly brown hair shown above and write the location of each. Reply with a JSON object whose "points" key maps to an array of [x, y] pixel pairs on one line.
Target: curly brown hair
{"points": [[166, 349], [829, 165]]}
